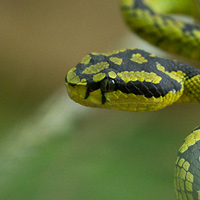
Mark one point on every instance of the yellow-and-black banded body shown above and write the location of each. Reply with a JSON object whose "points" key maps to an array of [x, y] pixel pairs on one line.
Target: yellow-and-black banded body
{"points": [[187, 168], [162, 30], [132, 80]]}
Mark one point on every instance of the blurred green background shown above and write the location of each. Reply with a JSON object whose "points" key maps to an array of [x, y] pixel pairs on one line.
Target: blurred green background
{"points": [[52, 148]]}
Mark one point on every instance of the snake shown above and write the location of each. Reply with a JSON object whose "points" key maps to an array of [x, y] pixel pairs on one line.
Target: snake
{"points": [[134, 80]]}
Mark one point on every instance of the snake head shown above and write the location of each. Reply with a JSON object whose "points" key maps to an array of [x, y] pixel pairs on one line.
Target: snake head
{"points": [[128, 79], [90, 80]]}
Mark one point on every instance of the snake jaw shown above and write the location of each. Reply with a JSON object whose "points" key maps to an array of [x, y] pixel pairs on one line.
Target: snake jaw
{"points": [[85, 96]]}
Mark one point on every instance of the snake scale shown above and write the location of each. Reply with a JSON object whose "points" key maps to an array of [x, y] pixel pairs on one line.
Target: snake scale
{"points": [[134, 80]]}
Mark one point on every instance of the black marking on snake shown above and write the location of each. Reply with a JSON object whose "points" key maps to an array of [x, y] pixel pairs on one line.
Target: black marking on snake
{"points": [[87, 93], [140, 5], [189, 28], [103, 100]]}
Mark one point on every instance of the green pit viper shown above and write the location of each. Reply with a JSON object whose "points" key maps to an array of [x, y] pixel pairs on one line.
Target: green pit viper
{"points": [[134, 80]]}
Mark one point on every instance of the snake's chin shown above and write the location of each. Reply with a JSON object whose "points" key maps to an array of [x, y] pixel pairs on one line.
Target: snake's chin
{"points": [[78, 94]]}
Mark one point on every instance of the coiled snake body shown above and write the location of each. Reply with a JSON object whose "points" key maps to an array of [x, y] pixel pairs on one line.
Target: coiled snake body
{"points": [[135, 80]]}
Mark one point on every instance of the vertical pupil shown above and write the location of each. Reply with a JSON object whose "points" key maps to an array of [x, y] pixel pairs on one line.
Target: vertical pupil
{"points": [[108, 85]]}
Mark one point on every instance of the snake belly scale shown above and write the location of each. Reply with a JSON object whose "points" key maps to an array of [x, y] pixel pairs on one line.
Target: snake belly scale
{"points": [[134, 80]]}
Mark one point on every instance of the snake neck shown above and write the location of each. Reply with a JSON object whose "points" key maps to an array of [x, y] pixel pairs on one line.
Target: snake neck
{"points": [[191, 91]]}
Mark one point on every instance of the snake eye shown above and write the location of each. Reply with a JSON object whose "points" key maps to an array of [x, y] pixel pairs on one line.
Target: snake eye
{"points": [[107, 85]]}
